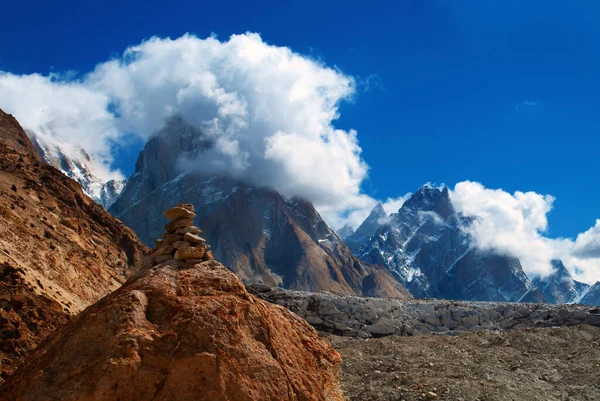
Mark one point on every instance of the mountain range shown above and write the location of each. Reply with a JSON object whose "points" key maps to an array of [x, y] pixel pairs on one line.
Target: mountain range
{"points": [[258, 233], [423, 249], [426, 244]]}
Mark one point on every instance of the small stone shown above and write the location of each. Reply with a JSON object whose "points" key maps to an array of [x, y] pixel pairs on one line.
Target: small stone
{"points": [[14, 187], [431, 395], [208, 255], [177, 213], [158, 243], [162, 258], [181, 244], [194, 239], [189, 252], [192, 230], [177, 224], [187, 206], [172, 238]]}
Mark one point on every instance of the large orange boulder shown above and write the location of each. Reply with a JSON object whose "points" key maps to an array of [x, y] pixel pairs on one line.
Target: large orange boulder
{"points": [[176, 333]]}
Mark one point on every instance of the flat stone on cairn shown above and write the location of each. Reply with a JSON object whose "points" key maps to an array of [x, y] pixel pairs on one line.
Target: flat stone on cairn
{"points": [[190, 252], [180, 242], [180, 211], [193, 239], [178, 224]]}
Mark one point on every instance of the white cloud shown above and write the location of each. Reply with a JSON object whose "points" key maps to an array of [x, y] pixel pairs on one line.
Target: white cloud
{"points": [[516, 223], [67, 114], [269, 110], [392, 205], [587, 244]]}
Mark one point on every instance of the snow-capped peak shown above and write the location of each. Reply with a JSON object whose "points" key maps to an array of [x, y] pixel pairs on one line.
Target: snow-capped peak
{"points": [[75, 163]]}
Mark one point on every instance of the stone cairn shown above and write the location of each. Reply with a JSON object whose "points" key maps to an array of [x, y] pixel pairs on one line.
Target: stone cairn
{"points": [[180, 241]]}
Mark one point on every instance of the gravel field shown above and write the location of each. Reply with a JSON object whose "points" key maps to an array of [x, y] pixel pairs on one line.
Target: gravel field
{"points": [[542, 364]]}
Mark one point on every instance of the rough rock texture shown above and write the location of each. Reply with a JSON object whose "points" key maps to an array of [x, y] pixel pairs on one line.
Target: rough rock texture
{"points": [[377, 317], [59, 250], [542, 364], [177, 333], [256, 232]]}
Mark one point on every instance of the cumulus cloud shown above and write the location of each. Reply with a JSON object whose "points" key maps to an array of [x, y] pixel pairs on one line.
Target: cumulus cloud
{"points": [[516, 224], [269, 111], [587, 244], [63, 113]]}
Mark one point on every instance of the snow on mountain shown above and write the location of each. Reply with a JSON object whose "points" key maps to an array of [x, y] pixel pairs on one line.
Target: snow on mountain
{"points": [[426, 247], [559, 287], [75, 163], [591, 296], [255, 231], [376, 219], [345, 232]]}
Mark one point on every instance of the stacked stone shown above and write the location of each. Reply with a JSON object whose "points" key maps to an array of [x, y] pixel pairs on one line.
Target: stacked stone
{"points": [[181, 241]]}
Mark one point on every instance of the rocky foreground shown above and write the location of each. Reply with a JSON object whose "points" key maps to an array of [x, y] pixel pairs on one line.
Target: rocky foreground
{"points": [[182, 328], [430, 349], [59, 250], [542, 364], [377, 317]]}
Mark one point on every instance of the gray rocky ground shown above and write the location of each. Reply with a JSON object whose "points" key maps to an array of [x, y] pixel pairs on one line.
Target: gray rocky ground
{"points": [[377, 317], [429, 349]]}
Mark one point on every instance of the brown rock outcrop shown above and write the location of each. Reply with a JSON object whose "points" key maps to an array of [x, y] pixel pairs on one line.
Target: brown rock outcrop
{"points": [[59, 250], [181, 330]]}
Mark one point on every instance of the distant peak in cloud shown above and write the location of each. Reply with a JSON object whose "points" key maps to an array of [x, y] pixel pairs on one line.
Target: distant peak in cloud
{"points": [[516, 224], [268, 111]]}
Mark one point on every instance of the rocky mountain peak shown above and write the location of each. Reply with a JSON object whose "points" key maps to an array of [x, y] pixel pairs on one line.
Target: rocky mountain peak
{"points": [[15, 138], [78, 165], [560, 287], [368, 227], [183, 328], [345, 231], [258, 233], [425, 245], [591, 295], [431, 199]]}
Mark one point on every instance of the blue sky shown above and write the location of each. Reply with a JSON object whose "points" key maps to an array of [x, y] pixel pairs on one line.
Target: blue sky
{"points": [[503, 93]]}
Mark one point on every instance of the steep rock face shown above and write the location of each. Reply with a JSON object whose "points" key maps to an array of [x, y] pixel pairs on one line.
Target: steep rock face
{"points": [[425, 245], [591, 296], [78, 166], [59, 250], [256, 232], [498, 278], [181, 331], [559, 287], [376, 219]]}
